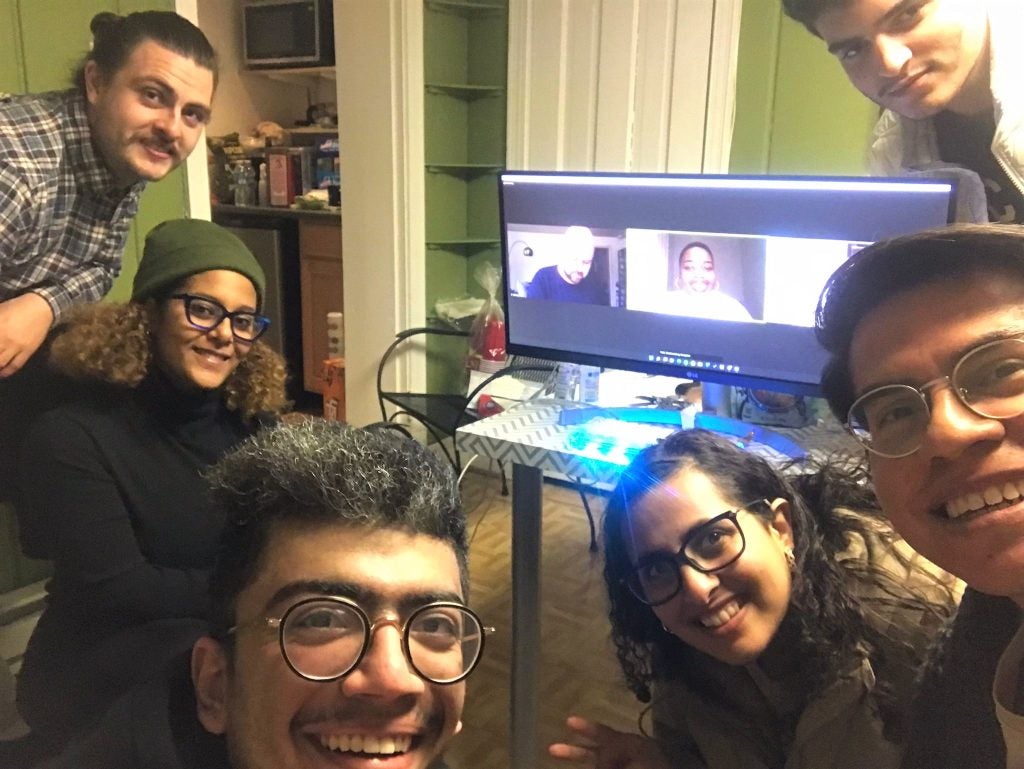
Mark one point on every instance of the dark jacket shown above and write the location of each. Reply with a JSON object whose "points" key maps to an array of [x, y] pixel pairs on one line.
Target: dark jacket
{"points": [[114, 483], [153, 726], [954, 721]]}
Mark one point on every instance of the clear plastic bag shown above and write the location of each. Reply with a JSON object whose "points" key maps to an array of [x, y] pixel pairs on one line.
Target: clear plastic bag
{"points": [[487, 334], [458, 313]]}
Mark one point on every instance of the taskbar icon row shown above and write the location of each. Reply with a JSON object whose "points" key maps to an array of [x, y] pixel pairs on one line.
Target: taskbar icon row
{"points": [[693, 363]]}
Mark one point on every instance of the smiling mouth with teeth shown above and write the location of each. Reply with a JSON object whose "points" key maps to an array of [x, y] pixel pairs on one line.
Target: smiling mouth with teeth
{"points": [[367, 744], [720, 617], [992, 498]]}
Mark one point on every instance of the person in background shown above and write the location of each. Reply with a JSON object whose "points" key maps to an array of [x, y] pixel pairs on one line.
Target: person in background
{"points": [[570, 280], [770, 619], [112, 483], [74, 163], [341, 634], [924, 336], [945, 73], [698, 293]]}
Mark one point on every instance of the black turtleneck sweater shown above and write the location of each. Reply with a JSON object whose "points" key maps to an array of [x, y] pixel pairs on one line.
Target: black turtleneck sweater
{"points": [[114, 485]]}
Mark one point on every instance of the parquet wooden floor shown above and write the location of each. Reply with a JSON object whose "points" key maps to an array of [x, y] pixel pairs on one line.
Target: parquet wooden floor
{"points": [[578, 671]]}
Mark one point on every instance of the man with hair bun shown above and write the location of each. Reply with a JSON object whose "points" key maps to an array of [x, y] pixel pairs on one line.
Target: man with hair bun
{"points": [[74, 163]]}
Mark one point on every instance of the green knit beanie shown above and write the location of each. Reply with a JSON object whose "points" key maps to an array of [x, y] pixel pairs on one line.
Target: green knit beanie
{"points": [[183, 247]]}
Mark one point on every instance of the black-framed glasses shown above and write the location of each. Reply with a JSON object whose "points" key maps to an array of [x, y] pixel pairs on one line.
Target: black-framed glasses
{"points": [[206, 314], [325, 638], [708, 547], [988, 380]]}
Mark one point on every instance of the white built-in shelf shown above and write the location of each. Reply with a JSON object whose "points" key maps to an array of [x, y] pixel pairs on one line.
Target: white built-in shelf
{"points": [[291, 74]]}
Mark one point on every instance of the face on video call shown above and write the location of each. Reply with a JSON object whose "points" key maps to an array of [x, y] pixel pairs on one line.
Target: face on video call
{"points": [[577, 255], [697, 270]]}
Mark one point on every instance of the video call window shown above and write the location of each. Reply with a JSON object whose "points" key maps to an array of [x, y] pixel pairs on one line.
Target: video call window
{"points": [[691, 274], [716, 278]]}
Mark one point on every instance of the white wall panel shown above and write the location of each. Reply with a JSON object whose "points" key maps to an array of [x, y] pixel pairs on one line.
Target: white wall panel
{"points": [[581, 46], [688, 129], [380, 127], [621, 85]]}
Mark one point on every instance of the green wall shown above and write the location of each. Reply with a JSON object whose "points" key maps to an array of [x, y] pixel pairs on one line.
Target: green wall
{"points": [[796, 113], [43, 41], [40, 43]]}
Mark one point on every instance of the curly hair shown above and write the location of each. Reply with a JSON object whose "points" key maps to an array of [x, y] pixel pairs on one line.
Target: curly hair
{"points": [[319, 472], [111, 343], [827, 618]]}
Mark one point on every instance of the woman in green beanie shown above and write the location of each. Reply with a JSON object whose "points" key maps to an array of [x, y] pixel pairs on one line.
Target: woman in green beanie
{"points": [[111, 483]]}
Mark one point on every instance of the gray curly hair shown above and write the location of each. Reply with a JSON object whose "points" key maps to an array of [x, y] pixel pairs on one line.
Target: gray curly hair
{"points": [[324, 472]]}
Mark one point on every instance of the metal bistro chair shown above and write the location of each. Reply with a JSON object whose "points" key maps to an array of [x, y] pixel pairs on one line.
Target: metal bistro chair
{"points": [[444, 413]]}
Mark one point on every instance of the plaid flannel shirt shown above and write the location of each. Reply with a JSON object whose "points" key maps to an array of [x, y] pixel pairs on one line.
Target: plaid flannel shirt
{"points": [[63, 219]]}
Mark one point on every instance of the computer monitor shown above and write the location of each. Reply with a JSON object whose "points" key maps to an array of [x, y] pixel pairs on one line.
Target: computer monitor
{"points": [[713, 278]]}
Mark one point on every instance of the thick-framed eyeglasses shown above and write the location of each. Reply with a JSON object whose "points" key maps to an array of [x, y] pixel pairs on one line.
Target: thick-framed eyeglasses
{"points": [[325, 638], [892, 420], [709, 547], [206, 314]]}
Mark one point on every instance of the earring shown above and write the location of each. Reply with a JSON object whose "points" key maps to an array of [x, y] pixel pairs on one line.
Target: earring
{"points": [[790, 557]]}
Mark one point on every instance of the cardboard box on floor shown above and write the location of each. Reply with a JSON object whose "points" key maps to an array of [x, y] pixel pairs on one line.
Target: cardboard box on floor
{"points": [[334, 389]]}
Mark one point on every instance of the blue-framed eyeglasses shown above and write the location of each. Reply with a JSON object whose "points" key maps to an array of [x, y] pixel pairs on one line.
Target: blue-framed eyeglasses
{"points": [[206, 314]]}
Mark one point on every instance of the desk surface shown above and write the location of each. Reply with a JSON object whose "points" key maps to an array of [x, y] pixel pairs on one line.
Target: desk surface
{"points": [[529, 434]]}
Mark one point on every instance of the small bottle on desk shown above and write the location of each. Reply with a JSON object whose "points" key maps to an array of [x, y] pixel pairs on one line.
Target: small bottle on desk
{"points": [[590, 379], [565, 385]]}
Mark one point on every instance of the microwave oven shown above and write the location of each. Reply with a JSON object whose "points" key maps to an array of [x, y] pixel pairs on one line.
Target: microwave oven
{"points": [[288, 33]]}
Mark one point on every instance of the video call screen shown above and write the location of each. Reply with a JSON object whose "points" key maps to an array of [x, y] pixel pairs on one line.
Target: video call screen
{"points": [[707, 277]]}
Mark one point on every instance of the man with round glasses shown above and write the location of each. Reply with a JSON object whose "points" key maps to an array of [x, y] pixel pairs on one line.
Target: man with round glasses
{"points": [[926, 341], [340, 631]]}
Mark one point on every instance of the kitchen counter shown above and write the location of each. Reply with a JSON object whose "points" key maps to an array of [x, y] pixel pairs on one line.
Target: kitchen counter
{"points": [[333, 214]]}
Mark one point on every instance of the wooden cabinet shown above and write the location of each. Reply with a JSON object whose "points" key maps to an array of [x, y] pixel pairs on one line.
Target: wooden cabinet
{"points": [[321, 279]]}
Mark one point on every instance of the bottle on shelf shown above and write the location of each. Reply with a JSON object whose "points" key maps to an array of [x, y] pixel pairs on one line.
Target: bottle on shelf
{"points": [[263, 189], [335, 335], [244, 182]]}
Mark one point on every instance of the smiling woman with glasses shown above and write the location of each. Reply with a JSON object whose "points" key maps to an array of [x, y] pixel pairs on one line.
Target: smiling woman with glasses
{"points": [[770, 618], [113, 493]]}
